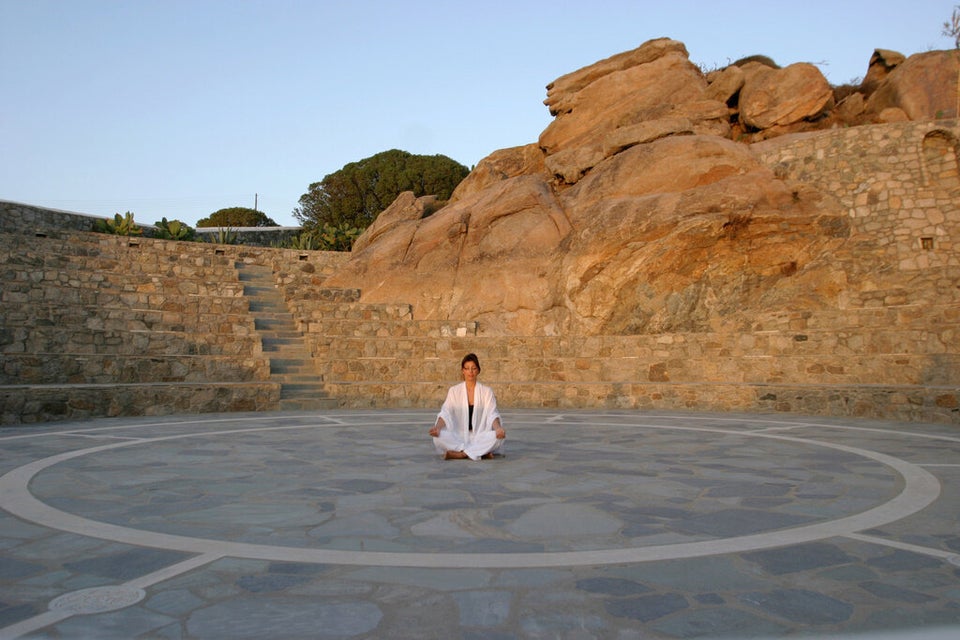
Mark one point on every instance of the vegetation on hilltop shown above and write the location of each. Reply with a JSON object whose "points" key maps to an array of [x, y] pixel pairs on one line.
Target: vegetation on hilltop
{"points": [[356, 194]]}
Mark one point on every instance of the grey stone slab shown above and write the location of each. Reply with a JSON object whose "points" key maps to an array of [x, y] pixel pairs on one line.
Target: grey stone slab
{"points": [[483, 608], [694, 575], [800, 606], [815, 555], [563, 519], [174, 602], [257, 618], [14, 613], [646, 608], [899, 560], [718, 622], [739, 522], [116, 625], [13, 569], [365, 485], [442, 579], [126, 565], [895, 593], [612, 586]]}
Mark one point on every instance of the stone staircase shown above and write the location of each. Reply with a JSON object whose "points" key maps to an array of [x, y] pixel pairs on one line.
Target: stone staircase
{"points": [[291, 363]]}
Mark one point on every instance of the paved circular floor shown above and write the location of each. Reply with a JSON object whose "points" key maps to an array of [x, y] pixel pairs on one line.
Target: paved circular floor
{"points": [[594, 524]]}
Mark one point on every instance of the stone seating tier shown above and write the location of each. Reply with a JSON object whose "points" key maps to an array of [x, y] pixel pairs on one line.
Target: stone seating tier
{"points": [[124, 250], [307, 311], [20, 314], [821, 369], [42, 297], [96, 368], [897, 402], [22, 282], [124, 342], [885, 354], [35, 259], [46, 403]]}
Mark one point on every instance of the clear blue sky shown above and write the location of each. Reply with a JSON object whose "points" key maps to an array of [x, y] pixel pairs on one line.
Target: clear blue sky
{"points": [[177, 108]]}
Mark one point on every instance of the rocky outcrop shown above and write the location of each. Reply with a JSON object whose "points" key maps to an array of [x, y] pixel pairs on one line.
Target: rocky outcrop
{"points": [[778, 97], [924, 87], [639, 209]]}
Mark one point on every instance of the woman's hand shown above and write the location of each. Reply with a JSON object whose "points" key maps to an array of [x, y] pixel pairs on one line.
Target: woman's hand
{"points": [[501, 434], [435, 430]]}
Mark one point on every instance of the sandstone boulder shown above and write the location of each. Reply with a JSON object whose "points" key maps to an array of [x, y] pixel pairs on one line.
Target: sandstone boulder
{"points": [[501, 165], [562, 91], [924, 86], [406, 207], [882, 62], [725, 84], [772, 97], [635, 211], [487, 257], [661, 235], [620, 98]]}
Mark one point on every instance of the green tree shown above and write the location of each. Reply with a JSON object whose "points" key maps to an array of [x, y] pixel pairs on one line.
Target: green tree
{"points": [[237, 217], [356, 194]]}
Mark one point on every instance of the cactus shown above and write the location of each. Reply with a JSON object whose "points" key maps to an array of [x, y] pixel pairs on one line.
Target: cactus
{"points": [[174, 230], [224, 235], [119, 226]]}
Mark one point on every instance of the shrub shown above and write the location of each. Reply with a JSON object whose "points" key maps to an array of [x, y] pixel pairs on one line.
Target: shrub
{"points": [[174, 230], [223, 235], [119, 226]]}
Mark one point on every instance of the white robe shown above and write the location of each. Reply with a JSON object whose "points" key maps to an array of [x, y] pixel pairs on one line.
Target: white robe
{"points": [[456, 436]]}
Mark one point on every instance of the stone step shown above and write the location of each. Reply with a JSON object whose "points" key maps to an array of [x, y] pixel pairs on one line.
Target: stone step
{"points": [[302, 390], [293, 364], [276, 325], [291, 361], [290, 346]]}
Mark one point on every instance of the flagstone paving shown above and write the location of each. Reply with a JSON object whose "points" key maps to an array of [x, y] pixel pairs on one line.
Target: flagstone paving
{"points": [[345, 524]]}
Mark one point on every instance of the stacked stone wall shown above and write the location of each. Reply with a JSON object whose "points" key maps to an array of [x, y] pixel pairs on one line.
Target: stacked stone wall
{"points": [[94, 324], [899, 184], [18, 217], [889, 350]]}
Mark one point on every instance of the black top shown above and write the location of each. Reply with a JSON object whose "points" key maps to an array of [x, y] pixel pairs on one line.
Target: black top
{"points": [[470, 420]]}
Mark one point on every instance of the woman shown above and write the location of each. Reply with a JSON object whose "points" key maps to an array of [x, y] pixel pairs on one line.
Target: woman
{"points": [[469, 424]]}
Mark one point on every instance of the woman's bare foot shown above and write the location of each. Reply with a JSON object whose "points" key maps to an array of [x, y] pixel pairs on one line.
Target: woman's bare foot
{"points": [[454, 455], [487, 456]]}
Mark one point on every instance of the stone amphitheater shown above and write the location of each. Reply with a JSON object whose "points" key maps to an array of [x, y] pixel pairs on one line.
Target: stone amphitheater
{"points": [[96, 325]]}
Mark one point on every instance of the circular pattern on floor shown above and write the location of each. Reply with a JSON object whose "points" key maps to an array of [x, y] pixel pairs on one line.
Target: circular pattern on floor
{"points": [[586, 488]]}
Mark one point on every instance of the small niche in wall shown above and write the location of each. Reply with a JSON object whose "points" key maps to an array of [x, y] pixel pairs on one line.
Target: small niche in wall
{"points": [[133, 244], [926, 244], [40, 234], [303, 256], [219, 252]]}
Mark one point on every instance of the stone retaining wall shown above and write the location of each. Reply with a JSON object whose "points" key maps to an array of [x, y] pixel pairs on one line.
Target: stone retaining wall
{"points": [[899, 182], [151, 309], [47, 403]]}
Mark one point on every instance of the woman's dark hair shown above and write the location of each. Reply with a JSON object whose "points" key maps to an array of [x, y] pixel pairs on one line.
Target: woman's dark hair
{"points": [[470, 357]]}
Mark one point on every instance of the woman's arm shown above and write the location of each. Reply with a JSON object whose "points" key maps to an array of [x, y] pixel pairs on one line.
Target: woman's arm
{"points": [[498, 428]]}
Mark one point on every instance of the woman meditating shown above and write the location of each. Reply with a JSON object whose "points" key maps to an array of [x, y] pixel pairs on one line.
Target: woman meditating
{"points": [[469, 424]]}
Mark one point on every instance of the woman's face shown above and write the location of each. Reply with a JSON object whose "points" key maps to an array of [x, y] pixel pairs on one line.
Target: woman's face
{"points": [[470, 371]]}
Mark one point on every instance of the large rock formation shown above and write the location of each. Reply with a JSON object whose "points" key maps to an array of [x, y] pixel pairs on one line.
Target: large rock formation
{"points": [[640, 209]]}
